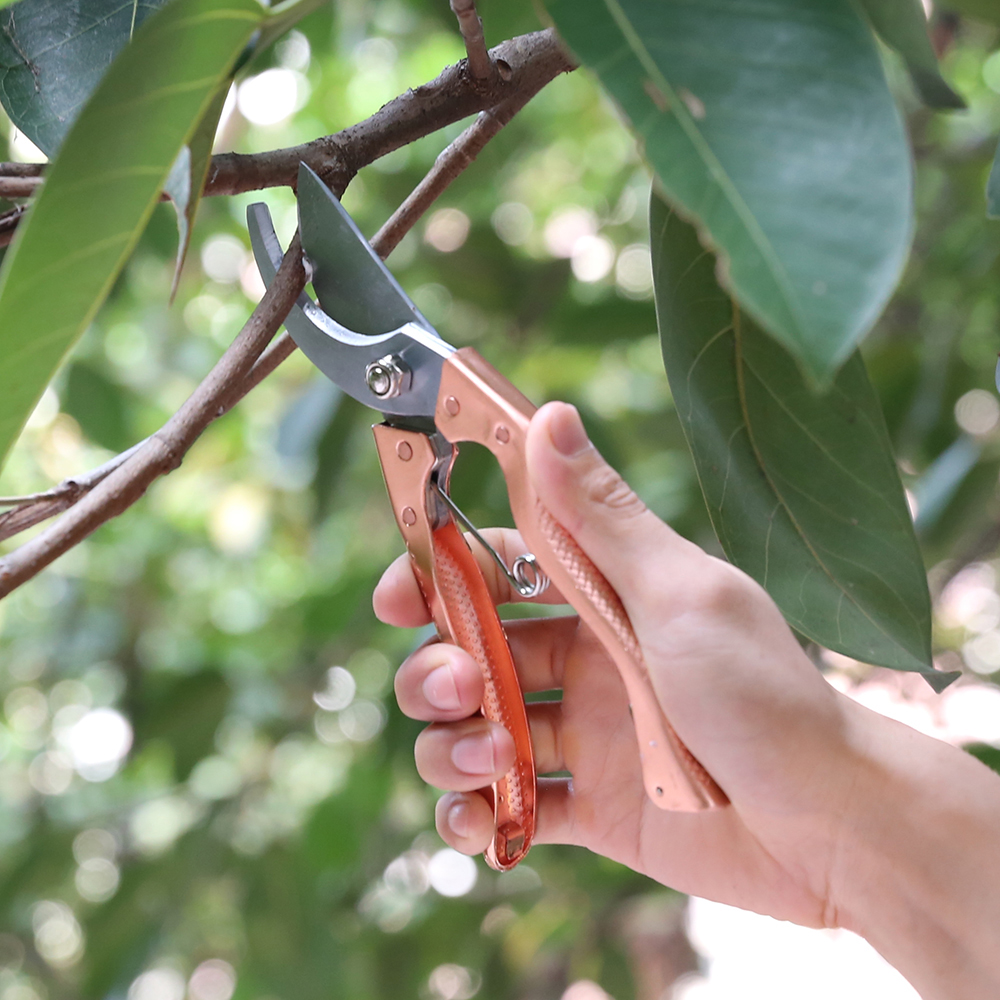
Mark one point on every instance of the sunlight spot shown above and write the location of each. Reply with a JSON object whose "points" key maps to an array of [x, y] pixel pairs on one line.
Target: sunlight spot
{"points": [[451, 873], [977, 412], [339, 690], [272, 96], [97, 743], [447, 229], [593, 257], [58, 938], [212, 980], [454, 982], [157, 984]]}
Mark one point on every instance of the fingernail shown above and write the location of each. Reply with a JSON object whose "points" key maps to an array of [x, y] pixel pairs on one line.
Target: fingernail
{"points": [[458, 819], [474, 754], [566, 431], [440, 689]]}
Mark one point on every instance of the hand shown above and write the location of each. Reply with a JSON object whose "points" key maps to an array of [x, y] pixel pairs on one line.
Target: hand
{"points": [[731, 677], [806, 769]]}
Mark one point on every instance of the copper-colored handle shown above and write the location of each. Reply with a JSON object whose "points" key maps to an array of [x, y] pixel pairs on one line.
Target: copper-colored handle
{"points": [[478, 404], [464, 614]]}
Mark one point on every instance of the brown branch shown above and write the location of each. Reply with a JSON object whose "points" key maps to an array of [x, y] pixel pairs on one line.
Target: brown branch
{"points": [[532, 60], [22, 169], [524, 65], [449, 164], [8, 223], [164, 450], [480, 65], [148, 460], [19, 187]]}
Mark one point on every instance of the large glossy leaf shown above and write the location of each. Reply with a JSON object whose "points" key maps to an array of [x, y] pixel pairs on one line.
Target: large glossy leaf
{"points": [[53, 54], [802, 489], [104, 184], [902, 25], [772, 126]]}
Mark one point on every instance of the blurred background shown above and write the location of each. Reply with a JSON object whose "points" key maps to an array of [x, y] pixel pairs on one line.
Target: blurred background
{"points": [[206, 789]]}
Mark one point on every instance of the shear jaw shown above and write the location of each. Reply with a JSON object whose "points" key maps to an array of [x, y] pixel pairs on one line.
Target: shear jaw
{"points": [[397, 372]]}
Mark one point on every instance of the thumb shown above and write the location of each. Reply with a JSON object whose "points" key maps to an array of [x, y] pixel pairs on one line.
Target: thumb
{"points": [[594, 504]]}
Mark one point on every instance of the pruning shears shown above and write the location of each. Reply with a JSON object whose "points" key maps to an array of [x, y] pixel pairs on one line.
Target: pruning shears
{"points": [[366, 335]]}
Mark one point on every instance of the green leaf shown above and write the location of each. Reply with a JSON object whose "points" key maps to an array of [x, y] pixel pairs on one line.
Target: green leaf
{"points": [[983, 10], [99, 406], [284, 16], [103, 186], [993, 189], [184, 713], [802, 489], [53, 54], [902, 25], [771, 124], [186, 180]]}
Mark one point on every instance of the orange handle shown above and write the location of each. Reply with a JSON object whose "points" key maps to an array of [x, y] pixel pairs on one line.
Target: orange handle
{"points": [[476, 403], [459, 601]]}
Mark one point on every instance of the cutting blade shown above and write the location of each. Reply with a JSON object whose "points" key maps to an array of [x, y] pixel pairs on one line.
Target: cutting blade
{"points": [[352, 284]]}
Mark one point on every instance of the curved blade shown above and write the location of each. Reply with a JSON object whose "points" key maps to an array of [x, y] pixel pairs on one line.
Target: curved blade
{"points": [[352, 284], [344, 355]]}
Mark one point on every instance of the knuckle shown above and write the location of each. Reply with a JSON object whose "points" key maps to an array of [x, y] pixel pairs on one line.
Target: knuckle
{"points": [[725, 591], [605, 487]]}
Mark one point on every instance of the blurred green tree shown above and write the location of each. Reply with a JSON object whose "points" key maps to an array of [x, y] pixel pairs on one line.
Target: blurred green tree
{"points": [[206, 786]]}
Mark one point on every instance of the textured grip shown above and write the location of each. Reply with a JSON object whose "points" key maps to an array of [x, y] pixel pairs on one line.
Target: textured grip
{"points": [[476, 403], [657, 740], [469, 620], [463, 612]]}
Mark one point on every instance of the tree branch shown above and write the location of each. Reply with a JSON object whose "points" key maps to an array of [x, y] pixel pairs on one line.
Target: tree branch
{"points": [[164, 450], [18, 187], [533, 60], [524, 65], [449, 164], [480, 65], [109, 489]]}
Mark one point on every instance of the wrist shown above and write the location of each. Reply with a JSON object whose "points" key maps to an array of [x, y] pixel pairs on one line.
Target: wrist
{"points": [[917, 870]]}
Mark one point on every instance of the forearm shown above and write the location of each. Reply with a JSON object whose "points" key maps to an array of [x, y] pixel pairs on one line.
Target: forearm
{"points": [[918, 872]]}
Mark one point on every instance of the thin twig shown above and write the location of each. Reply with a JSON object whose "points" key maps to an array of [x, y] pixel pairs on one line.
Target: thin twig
{"points": [[529, 62], [480, 65], [525, 63], [8, 223], [22, 169], [164, 450], [449, 164], [19, 187], [30, 510], [37, 507]]}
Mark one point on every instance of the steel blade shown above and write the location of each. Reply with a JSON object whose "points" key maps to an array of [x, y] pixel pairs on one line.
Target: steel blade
{"points": [[352, 284]]}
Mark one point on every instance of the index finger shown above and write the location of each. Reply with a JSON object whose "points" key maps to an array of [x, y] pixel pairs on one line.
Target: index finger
{"points": [[398, 601]]}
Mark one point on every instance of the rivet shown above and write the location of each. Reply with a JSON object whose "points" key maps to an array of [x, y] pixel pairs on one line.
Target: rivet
{"points": [[404, 451], [502, 434], [452, 406], [409, 516]]}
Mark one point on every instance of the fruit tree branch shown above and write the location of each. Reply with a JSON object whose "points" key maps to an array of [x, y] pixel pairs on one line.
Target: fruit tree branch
{"points": [[162, 452]]}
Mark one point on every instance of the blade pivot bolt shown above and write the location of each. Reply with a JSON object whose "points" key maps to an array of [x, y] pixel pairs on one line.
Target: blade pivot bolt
{"points": [[387, 377]]}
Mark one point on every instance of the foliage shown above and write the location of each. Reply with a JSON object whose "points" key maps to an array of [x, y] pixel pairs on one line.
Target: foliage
{"points": [[268, 818]]}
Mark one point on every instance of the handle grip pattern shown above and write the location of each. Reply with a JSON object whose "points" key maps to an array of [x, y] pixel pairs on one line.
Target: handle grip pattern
{"points": [[464, 614], [476, 403]]}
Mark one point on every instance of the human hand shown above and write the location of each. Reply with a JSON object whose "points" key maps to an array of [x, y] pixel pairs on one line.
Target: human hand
{"points": [[730, 676], [838, 816]]}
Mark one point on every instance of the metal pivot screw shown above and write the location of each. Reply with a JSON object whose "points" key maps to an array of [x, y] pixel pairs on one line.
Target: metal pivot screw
{"points": [[387, 377]]}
